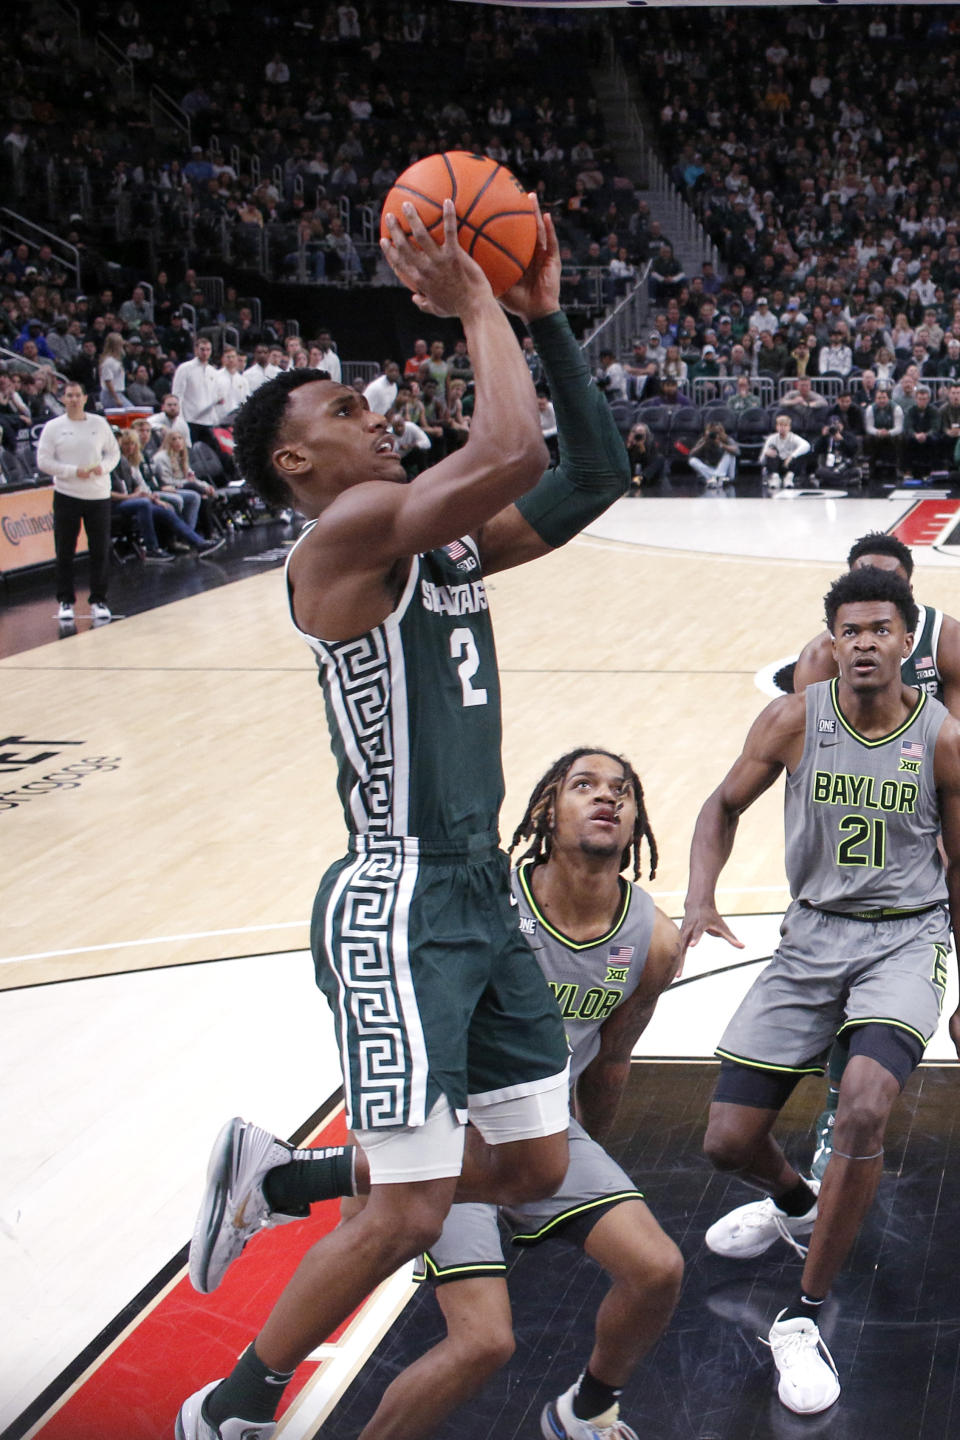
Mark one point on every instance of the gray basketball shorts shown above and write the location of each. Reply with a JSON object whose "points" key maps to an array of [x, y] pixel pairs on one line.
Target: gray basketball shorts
{"points": [[433, 989], [830, 974], [470, 1243]]}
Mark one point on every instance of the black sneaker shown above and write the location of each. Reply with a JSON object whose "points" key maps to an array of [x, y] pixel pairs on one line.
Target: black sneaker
{"points": [[207, 550], [158, 557]]}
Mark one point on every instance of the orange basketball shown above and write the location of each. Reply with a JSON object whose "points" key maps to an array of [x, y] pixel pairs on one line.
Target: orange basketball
{"points": [[497, 223]]}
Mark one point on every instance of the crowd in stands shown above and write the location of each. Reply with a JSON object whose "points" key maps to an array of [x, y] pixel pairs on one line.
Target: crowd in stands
{"points": [[827, 179], [826, 176], [303, 124]]}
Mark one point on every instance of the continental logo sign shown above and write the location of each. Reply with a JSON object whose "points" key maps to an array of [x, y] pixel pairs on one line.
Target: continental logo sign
{"points": [[26, 529], [44, 767], [16, 530]]}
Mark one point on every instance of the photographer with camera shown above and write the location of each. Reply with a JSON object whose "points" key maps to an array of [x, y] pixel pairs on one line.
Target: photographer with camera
{"points": [[835, 454], [714, 457], [648, 469]]}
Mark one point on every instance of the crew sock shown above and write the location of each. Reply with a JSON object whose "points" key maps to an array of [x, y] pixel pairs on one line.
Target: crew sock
{"points": [[311, 1175], [798, 1201], [593, 1398], [252, 1391]]}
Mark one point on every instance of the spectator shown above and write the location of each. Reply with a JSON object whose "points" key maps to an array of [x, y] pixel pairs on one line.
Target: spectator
{"points": [[803, 399], [714, 456], [79, 450], [835, 358], [232, 382], [648, 468], [14, 414], [921, 435], [780, 454], [198, 389], [381, 393], [950, 421], [883, 423], [743, 397], [411, 442], [414, 365], [139, 391], [611, 376], [171, 465], [113, 375], [136, 500], [834, 454]]}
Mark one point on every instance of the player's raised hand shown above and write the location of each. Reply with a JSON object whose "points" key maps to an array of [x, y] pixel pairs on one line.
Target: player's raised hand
{"points": [[537, 292], [444, 279]]}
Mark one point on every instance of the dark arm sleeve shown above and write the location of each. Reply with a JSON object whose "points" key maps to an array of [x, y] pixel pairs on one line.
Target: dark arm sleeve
{"points": [[594, 469]]}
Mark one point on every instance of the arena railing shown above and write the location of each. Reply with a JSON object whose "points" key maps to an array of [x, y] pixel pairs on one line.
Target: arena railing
{"points": [[27, 232]]}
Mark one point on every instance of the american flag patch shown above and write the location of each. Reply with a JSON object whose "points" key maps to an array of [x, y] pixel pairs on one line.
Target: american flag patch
{"points": [[456, 550], [926, 663], [620, 954], [912, 749]]}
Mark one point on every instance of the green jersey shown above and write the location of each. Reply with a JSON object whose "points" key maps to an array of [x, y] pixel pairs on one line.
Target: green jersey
{"points": [[920, 667], [413, 708]]}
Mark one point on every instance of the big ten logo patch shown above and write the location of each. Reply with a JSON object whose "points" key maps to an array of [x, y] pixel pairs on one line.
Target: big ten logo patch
{"points": [[22, 756]]}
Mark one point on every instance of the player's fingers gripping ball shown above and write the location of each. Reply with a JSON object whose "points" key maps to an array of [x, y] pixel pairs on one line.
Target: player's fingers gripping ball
{"points": [[496, 219]]}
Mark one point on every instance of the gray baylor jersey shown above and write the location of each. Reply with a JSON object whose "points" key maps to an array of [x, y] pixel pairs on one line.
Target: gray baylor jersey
{"points": [[860, 816], [589, 979]]}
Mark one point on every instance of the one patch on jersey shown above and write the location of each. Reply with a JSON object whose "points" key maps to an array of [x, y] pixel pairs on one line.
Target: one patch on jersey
{"points": [[528, 926], [827, 727]]}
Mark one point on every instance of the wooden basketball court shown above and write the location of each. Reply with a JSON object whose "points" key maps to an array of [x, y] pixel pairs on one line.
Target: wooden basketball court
{"points": [[169, 803]]}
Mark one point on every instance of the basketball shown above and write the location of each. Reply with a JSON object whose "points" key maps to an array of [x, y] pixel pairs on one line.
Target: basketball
{"points": [[496, 220]]}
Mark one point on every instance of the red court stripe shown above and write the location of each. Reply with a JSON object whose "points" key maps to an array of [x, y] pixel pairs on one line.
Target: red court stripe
{"points": [[187, 1339], [925, 521]]}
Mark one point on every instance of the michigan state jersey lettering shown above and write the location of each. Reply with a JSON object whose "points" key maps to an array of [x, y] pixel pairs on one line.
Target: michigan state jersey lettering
{"points": [[589, 978], [413, 708], [860, 815]]}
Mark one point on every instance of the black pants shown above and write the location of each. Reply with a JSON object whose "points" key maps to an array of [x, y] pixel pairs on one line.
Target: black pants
{"points": [[68, 512]]}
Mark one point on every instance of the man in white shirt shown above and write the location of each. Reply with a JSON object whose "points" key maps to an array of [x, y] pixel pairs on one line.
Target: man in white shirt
{"points": [[168, 417], [260, 370], [763, 319], [234, 388], [196, 386], [79, 450], [381, 393], [331, 360], [835, 358]]}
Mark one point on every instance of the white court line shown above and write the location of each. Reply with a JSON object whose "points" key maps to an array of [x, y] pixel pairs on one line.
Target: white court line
{"points": [[319, 1396], [297, 924], [154, 940]]}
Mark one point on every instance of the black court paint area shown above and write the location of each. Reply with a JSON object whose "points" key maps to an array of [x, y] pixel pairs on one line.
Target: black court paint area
{"points": [[892, 1323]]}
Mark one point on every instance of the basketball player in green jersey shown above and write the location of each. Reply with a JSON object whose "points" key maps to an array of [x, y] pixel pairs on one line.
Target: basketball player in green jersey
{"points": [[873, 774], [608, 954], [441, 1012], [932, 665]]}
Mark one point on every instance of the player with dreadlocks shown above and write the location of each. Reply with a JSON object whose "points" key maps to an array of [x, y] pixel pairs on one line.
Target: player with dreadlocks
{"points": [[536, 826], [608, 954]]}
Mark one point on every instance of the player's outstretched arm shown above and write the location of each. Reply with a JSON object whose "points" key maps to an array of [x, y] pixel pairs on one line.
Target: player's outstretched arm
{"points": [[601, 1085], [775, 740], [594, 469]]}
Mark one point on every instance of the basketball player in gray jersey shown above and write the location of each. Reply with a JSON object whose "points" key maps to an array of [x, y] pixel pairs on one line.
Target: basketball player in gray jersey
{"points": [[441, 1011], [932, 665], [608, 954], [873, 775]]}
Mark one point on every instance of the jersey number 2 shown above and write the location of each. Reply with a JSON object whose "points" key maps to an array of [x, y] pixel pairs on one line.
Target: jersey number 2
{"points": [[463, 643], [870, 834]]}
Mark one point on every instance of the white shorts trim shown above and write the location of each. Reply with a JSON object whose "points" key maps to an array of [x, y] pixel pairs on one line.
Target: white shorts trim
{"points": [[523, 1112], [404, 1154]]}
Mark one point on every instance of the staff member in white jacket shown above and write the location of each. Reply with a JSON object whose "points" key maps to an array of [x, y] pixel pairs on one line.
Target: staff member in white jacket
{"points": [[79, 450], [780, 453]]}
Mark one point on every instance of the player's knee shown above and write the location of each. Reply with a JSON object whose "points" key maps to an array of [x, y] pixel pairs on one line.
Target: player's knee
{"points": [[491, 1349], [541, 1180], [658, 1275], [725, 1147], [405, 1231], [860, 1124]]}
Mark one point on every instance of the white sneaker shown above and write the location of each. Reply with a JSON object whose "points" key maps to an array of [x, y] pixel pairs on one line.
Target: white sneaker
{"points": [[751, 1229], [192, 1424], [788, 480], [234, 1207], [558, 1422], [99, 611], [808, 1376], [65, 613]]}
